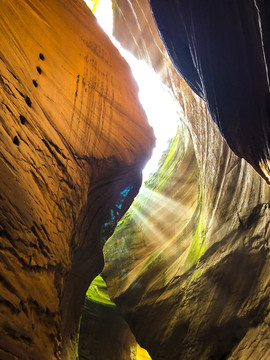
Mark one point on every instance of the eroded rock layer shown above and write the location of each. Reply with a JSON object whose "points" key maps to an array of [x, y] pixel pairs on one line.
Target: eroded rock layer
{"points": [[196, 285], [73, 141]]}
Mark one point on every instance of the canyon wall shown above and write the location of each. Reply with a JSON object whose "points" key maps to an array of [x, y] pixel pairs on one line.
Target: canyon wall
{"points": [[188, 265], [104, 334], [74, 139], [199, 288]]}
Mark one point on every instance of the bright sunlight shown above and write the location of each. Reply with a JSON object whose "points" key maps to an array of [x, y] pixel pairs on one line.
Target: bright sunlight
{"points": [[162, 111]]}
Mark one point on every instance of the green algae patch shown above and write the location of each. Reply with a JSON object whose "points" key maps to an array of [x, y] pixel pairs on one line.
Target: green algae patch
{"points": [[196, 275], [98, 293], [198, 246], [174, 154]]}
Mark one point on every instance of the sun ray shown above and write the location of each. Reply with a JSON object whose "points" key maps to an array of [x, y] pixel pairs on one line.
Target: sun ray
{"points": [[150, 229], [173, 206]]}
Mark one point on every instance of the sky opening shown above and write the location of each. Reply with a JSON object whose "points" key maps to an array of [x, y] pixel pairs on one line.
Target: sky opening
{"points": [[162, 111]]}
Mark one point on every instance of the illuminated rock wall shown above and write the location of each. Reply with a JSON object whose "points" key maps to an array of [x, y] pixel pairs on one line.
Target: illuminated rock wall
{"points": [[73, 141], [198, 289]]}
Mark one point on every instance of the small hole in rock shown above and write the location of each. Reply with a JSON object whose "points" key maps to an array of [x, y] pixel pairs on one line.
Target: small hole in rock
{"points": [[23, 119], [39, 70], [35, 83], [16, 140], [28, 101], [41, 56]]}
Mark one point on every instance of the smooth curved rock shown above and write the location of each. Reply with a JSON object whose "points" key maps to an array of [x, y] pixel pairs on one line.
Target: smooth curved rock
{"points": [[215, 306], [73, 139], [222, 51]]}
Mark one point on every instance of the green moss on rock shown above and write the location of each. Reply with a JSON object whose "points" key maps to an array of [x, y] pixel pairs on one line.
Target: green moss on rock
{"points": [[98, 293]]}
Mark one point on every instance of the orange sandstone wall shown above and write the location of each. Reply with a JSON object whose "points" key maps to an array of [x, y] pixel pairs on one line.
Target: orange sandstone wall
{"points": [[72, 136]]}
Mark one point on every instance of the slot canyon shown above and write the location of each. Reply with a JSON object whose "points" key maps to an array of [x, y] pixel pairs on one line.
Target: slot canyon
{"points": [[95, 263]]}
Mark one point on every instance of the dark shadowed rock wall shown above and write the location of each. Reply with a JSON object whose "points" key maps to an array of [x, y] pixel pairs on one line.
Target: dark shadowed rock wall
{"points": [[222, 50], [104, 334]]}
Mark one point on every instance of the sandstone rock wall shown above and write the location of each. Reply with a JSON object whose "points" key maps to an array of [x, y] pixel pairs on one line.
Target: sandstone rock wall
{"points": [[215, 306], [104, 334], [73, 138]]}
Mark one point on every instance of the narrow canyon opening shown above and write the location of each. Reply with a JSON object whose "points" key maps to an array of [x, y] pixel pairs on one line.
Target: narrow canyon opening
{"points": [[164, 113], [155, 214]]}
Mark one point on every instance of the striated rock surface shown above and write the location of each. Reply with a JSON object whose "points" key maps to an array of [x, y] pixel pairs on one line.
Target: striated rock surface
{"points": [[73, 141], [222, 51], [188, 266], [190, 273]]}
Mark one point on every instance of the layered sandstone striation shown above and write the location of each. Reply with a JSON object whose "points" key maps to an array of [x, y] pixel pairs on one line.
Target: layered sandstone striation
{"points": [[73, 141], [192, 280]]}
